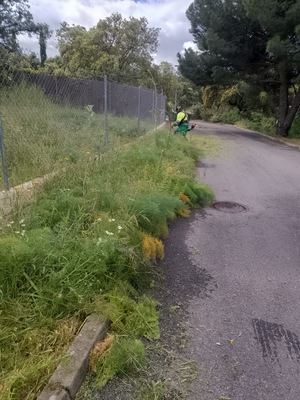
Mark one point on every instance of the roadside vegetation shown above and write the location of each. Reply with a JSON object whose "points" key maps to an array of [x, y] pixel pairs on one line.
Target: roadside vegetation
{"points": [[241, 106], [42, 136], [247, 62], [89, 240], [86, 245]]}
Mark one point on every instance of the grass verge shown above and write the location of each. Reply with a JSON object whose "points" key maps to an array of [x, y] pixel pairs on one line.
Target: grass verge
{"points": [[87, 245], [41, 136]]}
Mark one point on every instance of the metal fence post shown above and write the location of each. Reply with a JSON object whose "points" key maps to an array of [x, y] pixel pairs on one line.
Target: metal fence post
{"points": [[162, 113], [3, 159], [139, 109], [155, 107], [105, 112]]}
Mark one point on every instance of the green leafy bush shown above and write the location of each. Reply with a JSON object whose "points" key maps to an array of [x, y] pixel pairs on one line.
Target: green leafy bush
{"points": [[126, 355], [226, 115], [260, 122], [295, 130]]}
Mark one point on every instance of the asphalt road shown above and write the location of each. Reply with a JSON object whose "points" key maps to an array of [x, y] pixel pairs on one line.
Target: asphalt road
{"points": [[230, 294], [244, 333]]}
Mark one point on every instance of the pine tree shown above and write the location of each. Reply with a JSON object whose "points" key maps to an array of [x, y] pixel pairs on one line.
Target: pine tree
{"points": [[250, 40]]}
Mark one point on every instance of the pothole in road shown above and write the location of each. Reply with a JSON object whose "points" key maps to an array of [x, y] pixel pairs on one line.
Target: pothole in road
{"points": [[229, 207]]}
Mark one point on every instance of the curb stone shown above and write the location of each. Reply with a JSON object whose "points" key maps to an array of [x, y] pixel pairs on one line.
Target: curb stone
{"points": [[21, 194], [71, 372], [54, 394]]}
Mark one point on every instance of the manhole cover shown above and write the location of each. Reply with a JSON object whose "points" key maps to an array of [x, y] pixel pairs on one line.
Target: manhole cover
{"points": [[229, 207]]}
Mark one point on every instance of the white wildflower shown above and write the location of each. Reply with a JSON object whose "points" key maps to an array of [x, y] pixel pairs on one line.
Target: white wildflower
{"points": [[109, 233], [23, 233], [112, 220], [22, 221], [120, 227]]}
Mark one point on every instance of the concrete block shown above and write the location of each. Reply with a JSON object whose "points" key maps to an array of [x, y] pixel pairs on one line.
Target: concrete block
{"points": [[70, 374], [54, 394]]}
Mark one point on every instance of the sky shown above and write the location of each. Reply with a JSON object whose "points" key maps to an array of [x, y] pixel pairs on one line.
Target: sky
{"points": [[168, 15]]}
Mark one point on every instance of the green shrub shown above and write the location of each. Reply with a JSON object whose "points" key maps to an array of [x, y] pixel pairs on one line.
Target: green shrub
{"points": [[260, 122], [153, 211], [129, 314], [199, 194], [198, 111], [126, 355], [256, 121], [295, 130], [226, 115]]}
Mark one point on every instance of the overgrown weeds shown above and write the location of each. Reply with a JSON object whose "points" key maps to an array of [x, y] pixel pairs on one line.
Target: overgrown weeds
{"points": [[41, 135], [80, 248]]}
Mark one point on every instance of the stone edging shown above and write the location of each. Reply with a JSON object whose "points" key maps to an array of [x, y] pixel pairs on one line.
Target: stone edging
{"points": [[21, 194], [71, 372]]}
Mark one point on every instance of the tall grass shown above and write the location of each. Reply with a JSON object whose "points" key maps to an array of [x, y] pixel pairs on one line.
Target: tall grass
{"points": [[80, 249], [41, 135]]}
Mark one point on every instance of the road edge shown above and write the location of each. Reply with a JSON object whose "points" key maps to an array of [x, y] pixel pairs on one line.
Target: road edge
{"points": [[264, 135], [272, 138]]}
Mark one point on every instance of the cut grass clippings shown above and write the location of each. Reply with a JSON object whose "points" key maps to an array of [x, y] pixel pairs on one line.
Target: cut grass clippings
{"points": [[80, 248]]}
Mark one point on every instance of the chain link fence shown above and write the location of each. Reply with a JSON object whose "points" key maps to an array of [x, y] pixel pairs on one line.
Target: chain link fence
{"points": [[47, 121]]}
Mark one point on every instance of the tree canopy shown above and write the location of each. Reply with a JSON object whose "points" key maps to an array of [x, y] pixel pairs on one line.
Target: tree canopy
{"points": [[114, 46], [15, 18], [257, 42]]}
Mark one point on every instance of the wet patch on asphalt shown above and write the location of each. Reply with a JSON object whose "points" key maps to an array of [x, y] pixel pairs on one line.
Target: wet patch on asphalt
{"points": [[181, 280], [270, 336]]}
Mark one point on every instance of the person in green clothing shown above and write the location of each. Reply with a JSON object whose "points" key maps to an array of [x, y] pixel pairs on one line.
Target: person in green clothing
{"points": [[182, 124]]}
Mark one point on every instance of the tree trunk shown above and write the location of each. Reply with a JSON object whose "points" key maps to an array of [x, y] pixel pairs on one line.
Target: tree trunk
{"points": [[292, 112], [285, 126], [43, 47], [283, 100]]}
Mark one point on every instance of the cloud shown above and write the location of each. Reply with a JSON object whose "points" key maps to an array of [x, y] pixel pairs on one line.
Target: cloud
{"points": [[189, 45], [167, 15]]}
